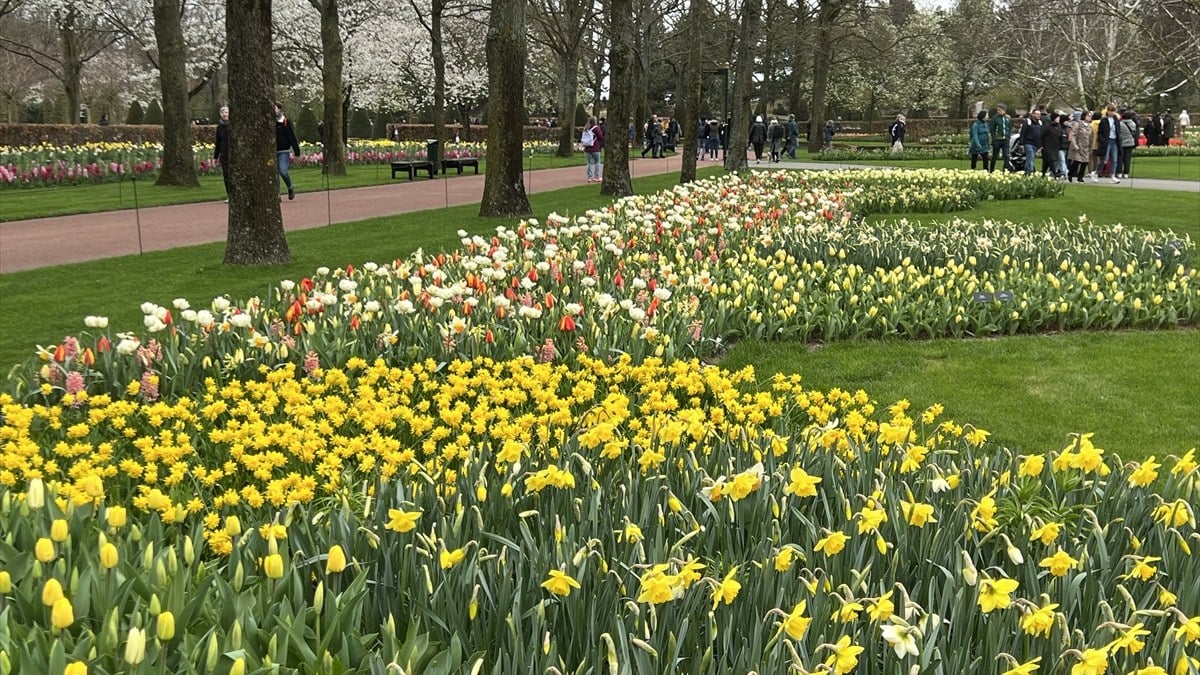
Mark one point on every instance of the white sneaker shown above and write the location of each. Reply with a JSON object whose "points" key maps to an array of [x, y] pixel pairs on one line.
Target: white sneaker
{"points": [[1116, 180], [1095, 178]]}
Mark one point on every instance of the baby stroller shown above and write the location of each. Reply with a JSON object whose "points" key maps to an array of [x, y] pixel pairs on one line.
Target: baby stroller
{"points": [[1016, 154]]}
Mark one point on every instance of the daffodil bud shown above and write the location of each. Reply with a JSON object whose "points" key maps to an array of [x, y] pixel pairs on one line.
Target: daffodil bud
{"points": [[969, 573]]}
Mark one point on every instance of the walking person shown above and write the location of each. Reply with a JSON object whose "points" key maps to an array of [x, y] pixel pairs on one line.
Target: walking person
{"points": [[592, 141], [715, 137], [1032, 132], [777, 134], [221, 147], [1168, 127], [1108, 144], [285, 145], [827, 136], [758, 138], [1127, 134], [1000, 129], [1079, 150], [981, 140], [793, 136], [1184, 121], [896, 133]]}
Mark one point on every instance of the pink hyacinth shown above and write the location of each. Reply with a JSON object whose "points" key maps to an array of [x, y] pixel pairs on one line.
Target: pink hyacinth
{"points": [[74, 382]]}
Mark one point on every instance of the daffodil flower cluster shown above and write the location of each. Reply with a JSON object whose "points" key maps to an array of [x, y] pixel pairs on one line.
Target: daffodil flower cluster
{"points": [[570, 516]]}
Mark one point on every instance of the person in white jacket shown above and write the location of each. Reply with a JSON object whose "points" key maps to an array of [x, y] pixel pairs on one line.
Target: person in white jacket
{"points": [[1183, 121]]}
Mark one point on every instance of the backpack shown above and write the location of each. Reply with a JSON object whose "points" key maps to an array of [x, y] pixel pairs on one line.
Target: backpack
{"points": [[588, 138]]}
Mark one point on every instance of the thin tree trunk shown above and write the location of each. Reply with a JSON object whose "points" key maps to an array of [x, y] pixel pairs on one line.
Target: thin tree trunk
{"points": [[439, 80], [503, 189], [568, 98], [692, 77], [72, 66], [333, 63], [739, 125], [256, 234], [620, 59], [177, 161]]}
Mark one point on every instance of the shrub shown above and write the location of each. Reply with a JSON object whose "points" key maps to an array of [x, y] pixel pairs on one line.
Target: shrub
{"points": [[136, 114], [154, 113], [360, 124]]}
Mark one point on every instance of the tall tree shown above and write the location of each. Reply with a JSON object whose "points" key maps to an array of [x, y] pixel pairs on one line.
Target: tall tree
{"points": [[332, 87], [503, 189], [79, 35], [692, 76], [739, 123], [562, 27], [177, 163], [256, 234], [432, 22], [620, 99], [826, 29]]}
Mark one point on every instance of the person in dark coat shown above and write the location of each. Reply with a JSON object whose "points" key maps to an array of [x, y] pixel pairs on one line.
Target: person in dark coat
{"points": [[653, 138], [1052, 142], [1168, 128], [793, 136], [777, 134], [1032, 133], [758, 138], [285, 145], [221, 147], [896, 133]]}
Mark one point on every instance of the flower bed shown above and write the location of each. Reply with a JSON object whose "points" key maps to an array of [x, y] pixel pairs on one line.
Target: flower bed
{"points": [[495, 460], [673, 275], [50, 166]]}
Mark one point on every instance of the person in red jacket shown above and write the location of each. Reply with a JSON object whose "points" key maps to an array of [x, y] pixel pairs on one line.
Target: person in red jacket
{"points": [[592, 141]]}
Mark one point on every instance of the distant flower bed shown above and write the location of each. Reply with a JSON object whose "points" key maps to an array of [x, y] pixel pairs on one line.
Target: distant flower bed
{"points": [[50, 166]]}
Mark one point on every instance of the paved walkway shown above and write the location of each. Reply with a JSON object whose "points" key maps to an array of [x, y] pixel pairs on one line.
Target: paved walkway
{"points": [[42, 242]]}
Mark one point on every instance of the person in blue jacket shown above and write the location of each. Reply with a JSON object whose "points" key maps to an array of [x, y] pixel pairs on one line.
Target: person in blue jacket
{"points": [[981, 140]]}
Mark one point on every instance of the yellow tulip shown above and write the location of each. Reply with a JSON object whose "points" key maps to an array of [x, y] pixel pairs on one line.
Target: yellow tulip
{"points": [[273, 566], [58, 530], [135, 646], [43, 550], [238, 667], [52, 592], [62, 614], [116, 516], [109, 556], [5, 582], [336, 562], [76, 668], [165, 626]]}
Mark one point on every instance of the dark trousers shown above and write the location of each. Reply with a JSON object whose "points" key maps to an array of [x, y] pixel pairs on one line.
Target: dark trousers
{"points": [[1126, 157], [975, 156], [758, 148], [999, 148], [1077, 171], [225, 175]]}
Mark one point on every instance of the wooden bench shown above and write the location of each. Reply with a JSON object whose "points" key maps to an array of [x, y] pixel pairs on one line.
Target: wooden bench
{"points": [[412, 168], [459, 163]]}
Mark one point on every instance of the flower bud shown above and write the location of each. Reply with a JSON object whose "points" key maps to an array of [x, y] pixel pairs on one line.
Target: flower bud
{"points": [[52, 592], [35, 494], [155, 605], [135, 646], [319, 597], [43, 550], [213, 653], [76, 668], [109, 556], [336, 561], [238, 667], [165, 626], [189, 551], [5, 582], [233, 526], [273, 566], [58, 530], [62, 615]]}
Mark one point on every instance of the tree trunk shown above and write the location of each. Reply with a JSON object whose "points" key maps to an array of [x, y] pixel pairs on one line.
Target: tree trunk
{"points": [[503, 189], [177, 161], [72, 67], [439, 81], [256, 234], [739, 124], [332, 57], [620, 59], [692, 77], [568, 98], [822, 63]]}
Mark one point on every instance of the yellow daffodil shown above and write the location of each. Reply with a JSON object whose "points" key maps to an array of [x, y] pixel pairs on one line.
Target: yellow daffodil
{"points": [[727, 590], [1130, 640], [1026, 668], [1145, 473], [1046, 533], [1091, 662], [1040, 621], [1032, 466], [1186, 464], [994, 593], [1188, 631], [795, 624], [449, 559], [881, 610], [845, 656], [802, 484], [560, 583], [917, 514], [1143, 567], [402, 521], [832, 544], [1060, 563]]}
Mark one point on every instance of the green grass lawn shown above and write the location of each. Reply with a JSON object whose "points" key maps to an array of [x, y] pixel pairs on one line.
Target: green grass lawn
{"points": [[61, 201], [1168, 168], [1136, 390]]}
